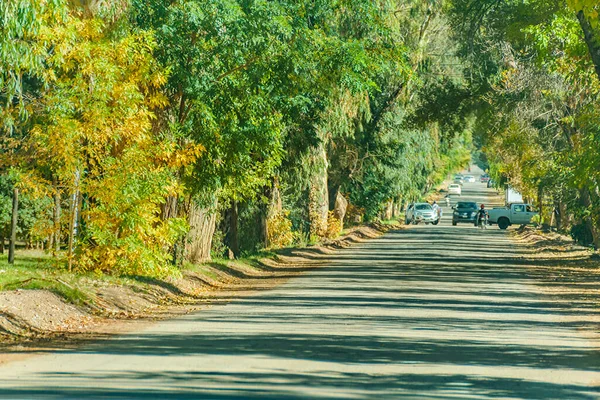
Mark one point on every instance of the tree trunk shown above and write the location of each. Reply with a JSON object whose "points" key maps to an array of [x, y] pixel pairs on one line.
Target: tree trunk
{"points": [[318, 196], [262, 217], [398, 204], [273, 208], [202, 221], [540, 200], [557, 216], [341, 206], [333, 190], [562, 217], [389, 210], [592, 39], [13, 226], [170, 208], [56, 233], [74, 212], [233, 234], [1, 240], [586, 201]]}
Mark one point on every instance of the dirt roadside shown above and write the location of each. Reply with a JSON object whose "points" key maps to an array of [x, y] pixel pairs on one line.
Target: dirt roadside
{"points": [[39, 320], [563, 270]]}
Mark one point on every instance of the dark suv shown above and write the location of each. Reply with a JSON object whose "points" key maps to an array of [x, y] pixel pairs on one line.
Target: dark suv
{"points": [[464, 211]]}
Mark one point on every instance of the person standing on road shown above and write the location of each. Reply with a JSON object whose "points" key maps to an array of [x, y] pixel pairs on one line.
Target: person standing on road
{"points": [[481, 215]]}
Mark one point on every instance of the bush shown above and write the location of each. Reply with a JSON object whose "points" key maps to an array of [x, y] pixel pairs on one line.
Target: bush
{"points": [[334, 226], [279, 231], [581, 234]]}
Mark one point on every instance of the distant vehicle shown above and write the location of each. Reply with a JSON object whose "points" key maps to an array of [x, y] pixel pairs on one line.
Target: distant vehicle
{"points": [[491, 183], [458, 181], [470, 179], [515, 214], [421, 212], [455, 188], [512, 196], [464, 211], [485, 178]]}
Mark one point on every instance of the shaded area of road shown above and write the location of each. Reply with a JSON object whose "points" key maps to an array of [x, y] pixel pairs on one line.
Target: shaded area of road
{"points": [[431, 313]]}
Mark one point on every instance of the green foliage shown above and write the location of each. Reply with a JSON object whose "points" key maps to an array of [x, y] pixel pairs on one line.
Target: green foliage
{"points": [[129, 111], [538, 119]]}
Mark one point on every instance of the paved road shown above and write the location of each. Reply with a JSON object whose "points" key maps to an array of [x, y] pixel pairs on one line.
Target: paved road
{"points": [[422, 313]]}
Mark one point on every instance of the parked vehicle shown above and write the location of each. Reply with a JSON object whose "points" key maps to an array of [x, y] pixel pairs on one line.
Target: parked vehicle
{"points": [[459, 180], [464, 211], [470, 179], [455, 188], [421, 212], [490, 183], [485, 178], [514, 214]]}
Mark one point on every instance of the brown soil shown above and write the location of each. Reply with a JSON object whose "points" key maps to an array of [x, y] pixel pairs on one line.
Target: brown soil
{"points": [[543, 245], [561, 265], [36, 318]]}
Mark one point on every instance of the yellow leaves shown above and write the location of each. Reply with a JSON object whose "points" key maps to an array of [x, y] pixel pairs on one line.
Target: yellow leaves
{"points": [[187, 155], [591, 8], [279, 230]]}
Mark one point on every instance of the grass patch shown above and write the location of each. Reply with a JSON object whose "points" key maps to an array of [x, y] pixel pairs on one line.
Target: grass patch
{"points": [[392, 222], [37, 270]]}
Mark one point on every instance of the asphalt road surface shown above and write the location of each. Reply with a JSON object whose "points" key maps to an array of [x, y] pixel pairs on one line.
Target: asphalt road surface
{"points": [[426, 313]]}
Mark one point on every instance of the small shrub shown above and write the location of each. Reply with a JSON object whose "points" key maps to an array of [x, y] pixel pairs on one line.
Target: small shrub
{"points": [[537, 220], [279, 230], [218, 246], [581, 234], [354, 215], [334, 226]]}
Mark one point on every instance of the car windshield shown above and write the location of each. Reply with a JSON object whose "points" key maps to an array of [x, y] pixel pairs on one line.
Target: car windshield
{"points": [[466, 205], [423, 207], [453, 186]]}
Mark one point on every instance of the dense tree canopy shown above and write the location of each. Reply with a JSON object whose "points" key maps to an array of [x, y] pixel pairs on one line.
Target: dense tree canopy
{"points": [[536, 99], [146, 133]]}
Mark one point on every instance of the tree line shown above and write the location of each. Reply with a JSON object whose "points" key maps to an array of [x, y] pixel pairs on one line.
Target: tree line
{"points": [[139, 135], [534, 89]]}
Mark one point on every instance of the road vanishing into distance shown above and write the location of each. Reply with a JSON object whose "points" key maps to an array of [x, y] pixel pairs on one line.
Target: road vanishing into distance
{"points": [[430, 312]]}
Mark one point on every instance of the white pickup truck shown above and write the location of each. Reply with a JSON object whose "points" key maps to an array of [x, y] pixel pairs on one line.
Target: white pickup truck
{"points": [[514, 214]]}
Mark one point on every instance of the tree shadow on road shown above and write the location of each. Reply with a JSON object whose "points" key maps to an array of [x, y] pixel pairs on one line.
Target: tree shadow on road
{"points": [[404, 324]]}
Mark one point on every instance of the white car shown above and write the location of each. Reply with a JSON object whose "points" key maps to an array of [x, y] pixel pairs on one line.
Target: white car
{"points": [[455, 189], [421, 212], [470, 179]]}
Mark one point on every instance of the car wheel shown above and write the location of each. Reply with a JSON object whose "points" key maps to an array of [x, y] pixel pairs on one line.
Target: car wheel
{"points": [[436, 222], [503, 223], [454, 223]]}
